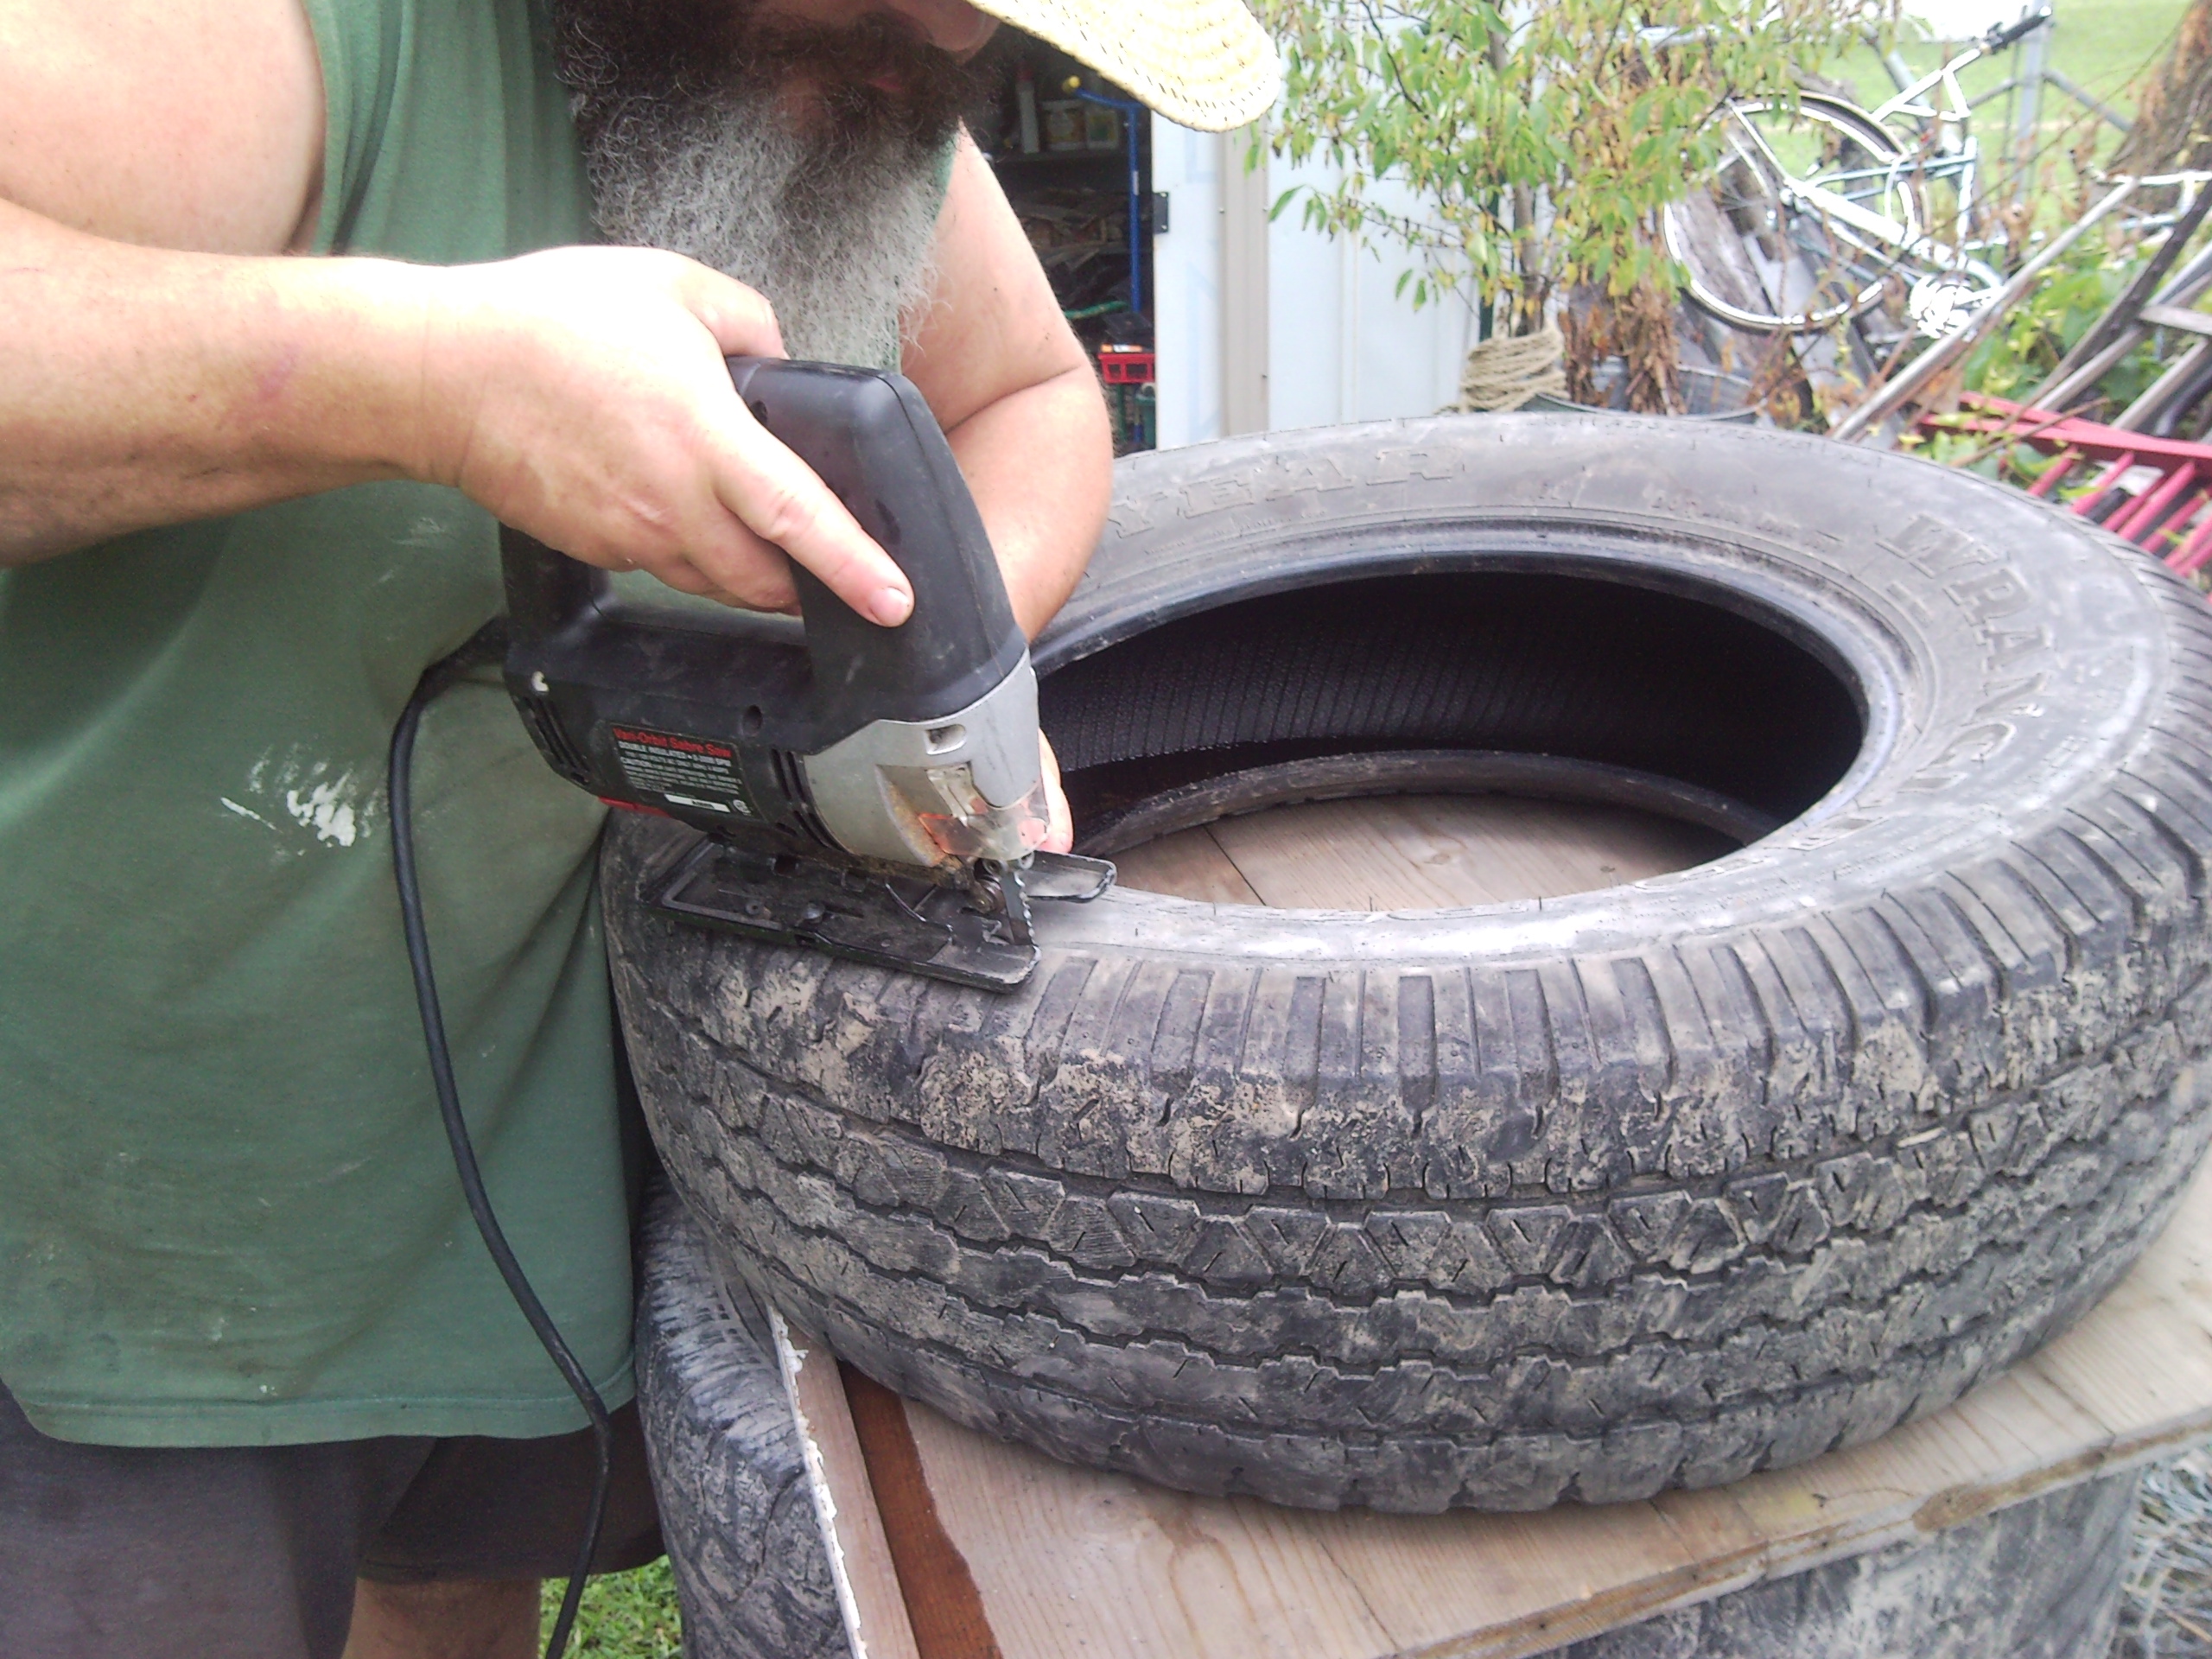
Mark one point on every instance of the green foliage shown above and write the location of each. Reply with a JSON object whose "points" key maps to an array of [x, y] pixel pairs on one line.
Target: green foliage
{"points": [[1540, 141], [1967, 451], [2017, 357], [624, 1615], [2020, 355]]}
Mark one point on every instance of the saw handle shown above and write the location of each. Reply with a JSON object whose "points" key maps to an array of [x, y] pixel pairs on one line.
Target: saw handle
{"points": [[872, 439]]}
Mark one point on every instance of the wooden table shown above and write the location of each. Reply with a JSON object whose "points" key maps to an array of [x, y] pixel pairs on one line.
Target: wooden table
{"points": [[957, 1545]]}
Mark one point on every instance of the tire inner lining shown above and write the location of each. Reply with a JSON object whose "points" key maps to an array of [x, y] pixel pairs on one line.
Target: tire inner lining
{"points": [[1610, 692]]}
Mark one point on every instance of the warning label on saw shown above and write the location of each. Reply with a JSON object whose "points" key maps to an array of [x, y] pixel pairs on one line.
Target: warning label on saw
{"points": [[689, 771]]}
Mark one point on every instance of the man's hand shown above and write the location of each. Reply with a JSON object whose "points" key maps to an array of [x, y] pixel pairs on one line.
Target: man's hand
{"points": [[579, 394], [157, 364]]}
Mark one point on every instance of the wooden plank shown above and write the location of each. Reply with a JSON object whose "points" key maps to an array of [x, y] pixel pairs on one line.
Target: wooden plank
{"points": [[1427, 852], [942, 1600], [844, 1499], [1189, 865], [2141, 1361], [1071, 1561], [1523, 1583]]}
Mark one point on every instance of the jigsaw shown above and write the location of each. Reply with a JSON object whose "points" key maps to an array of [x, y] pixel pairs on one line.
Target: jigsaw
{"points": [[874, 792]]}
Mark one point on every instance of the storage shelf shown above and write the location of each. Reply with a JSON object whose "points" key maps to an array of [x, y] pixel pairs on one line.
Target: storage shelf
{"points": [[1048, 161]]}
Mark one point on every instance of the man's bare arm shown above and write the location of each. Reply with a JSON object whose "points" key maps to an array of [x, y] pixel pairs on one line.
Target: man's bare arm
{"points": [[1016, 394], [161, 360]]}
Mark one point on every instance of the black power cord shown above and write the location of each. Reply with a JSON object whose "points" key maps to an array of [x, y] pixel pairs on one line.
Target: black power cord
{"points": [[487, 645]]}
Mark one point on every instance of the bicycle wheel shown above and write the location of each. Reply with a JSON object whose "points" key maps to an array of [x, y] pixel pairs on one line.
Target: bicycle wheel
{"points": [[1809, 212]]}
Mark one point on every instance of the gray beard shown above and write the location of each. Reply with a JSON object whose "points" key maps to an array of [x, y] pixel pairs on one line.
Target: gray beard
{"points": [[839, 242]]}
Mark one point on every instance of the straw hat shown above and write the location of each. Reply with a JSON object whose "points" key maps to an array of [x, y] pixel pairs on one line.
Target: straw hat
{"points": [[1201, 63]]}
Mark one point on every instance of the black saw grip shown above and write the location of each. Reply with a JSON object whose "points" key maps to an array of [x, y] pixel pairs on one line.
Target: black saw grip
{"points": [[871, 438]]}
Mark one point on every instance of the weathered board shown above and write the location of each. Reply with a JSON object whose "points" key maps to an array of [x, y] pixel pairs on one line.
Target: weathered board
{"points": [[862, 1564]]}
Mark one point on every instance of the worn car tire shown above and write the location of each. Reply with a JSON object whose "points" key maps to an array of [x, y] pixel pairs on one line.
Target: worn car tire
{"points": [[1656, 1185], [753, 1577]]}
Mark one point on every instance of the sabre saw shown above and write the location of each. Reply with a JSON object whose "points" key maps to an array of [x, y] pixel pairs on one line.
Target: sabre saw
{"points": [[873, 792]]}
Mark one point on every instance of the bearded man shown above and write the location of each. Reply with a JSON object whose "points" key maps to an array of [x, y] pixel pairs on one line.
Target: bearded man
{"points": [[293, 307]]}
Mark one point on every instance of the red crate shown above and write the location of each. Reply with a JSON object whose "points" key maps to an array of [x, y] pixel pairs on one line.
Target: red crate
{"points": [[1125, 365]]}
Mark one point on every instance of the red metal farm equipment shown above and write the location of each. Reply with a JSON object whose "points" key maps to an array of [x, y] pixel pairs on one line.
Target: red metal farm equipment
{"points": [[2157, 493]]}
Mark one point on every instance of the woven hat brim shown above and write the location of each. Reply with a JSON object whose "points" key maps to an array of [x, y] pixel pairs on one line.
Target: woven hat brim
{"points": [[1205, 64]]}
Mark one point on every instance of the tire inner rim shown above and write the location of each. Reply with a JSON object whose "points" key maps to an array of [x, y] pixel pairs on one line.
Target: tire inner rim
{"points": [[1547, 686]]}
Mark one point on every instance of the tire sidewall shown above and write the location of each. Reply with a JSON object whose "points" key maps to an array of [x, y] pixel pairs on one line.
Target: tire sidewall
{"points": [[2006, 658]]}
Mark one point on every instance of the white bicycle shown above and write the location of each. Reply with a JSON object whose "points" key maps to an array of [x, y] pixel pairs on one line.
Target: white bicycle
{"points": [[1820, 211]]}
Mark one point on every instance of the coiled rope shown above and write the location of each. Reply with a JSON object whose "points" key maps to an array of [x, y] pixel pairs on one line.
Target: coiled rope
{"points": [[1506, 371]]}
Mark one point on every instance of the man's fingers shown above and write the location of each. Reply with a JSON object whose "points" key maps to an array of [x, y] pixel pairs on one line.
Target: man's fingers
{"points": [[605, 424], [739, 317], [782, 508], [777, 497], [1060, 833], [684, 576], [723, 560]]}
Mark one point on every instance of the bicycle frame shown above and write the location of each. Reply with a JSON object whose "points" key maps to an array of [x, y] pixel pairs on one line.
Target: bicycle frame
{"points": [[1948, 129], [1958, 114], [1870, 232], [1877, 217]]}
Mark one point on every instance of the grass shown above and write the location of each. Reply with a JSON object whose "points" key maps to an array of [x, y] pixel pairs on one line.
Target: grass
{"points": [[2105, 47], [2166, 1609], [623, 1616]]}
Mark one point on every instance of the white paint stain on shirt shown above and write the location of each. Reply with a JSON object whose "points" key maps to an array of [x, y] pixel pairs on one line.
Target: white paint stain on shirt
{"points": [[333, 805], [325, 809]]}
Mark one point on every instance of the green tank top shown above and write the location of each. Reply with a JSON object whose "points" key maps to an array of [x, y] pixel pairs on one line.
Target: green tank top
{"points": [[228, 1216]]}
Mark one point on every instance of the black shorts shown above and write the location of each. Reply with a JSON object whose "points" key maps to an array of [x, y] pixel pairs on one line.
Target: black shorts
{"points": [[129, 1552]]}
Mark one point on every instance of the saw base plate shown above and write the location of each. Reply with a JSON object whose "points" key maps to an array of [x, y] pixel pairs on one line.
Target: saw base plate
{"points": [[972, 933]]}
